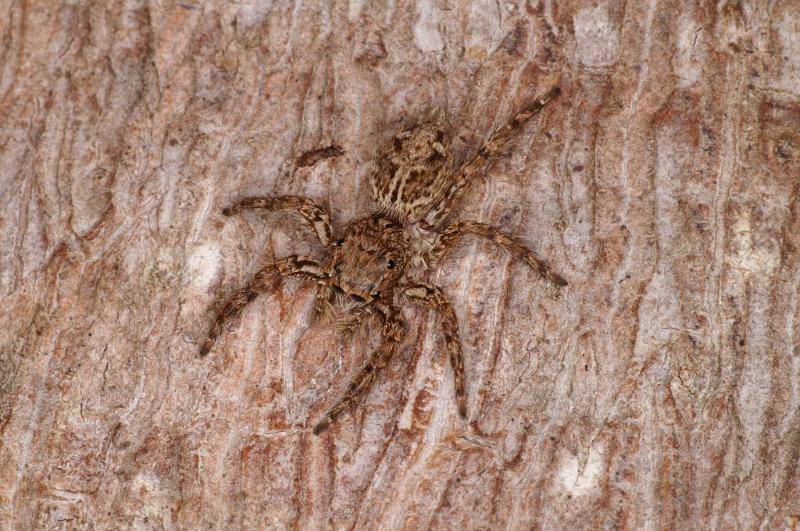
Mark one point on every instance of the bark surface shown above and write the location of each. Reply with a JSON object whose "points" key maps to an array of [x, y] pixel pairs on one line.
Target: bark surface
{"points": [[661, 389]]}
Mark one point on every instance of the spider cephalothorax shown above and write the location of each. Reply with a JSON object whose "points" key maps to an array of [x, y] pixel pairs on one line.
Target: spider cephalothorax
{"points": [[369, 259], [415, 187]]}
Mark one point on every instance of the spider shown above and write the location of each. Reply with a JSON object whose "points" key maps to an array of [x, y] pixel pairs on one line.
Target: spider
{"points": [[415, 187]]}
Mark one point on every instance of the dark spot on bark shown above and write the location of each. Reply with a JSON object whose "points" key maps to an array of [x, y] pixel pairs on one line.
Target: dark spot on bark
{"points": [[534, 9], [514, 39], [784, 149], [309, 158]]}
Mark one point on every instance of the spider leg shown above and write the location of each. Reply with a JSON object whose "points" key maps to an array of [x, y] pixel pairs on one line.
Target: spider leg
{"points": [[316, 216], [391, 335], [498, 145], [266, 279], [356, 318], [323, 304], [450, 237], [355, 321], [432, 297]]}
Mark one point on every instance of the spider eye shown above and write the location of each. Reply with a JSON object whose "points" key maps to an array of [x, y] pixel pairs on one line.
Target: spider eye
{"points": [[390, 264], [339, 242]]}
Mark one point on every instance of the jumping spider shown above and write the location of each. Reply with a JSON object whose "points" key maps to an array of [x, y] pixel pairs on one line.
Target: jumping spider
{"points": [[415, 187]]}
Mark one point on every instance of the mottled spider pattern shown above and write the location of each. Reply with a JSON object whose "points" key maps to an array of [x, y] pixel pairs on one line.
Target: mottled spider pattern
{"points": [[415, 188]]}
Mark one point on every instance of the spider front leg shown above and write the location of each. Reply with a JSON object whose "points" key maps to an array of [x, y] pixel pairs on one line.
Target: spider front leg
{"points": [[433, 297], [323, 304], [391, 334], [266, 279], [348, 324], [450, 237], [316, 216]]}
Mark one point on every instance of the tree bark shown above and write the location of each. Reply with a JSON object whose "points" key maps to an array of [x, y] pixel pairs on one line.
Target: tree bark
{"points": [[661, 389]]}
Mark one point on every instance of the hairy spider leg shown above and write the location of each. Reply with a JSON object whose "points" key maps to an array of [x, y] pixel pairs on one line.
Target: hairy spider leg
{"points": [[266, 279], [449, 238], [317, 218], [498, 145], [432, 297], [391, 335]]}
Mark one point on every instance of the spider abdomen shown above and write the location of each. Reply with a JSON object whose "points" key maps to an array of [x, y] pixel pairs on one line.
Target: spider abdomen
{"points": [[411, 175]]}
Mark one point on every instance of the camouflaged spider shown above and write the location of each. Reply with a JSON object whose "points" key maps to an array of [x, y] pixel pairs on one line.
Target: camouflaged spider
{"points": [[415, 187]]}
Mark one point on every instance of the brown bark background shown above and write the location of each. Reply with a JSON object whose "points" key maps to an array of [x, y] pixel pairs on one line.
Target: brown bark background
{"points": [[660, 390]]}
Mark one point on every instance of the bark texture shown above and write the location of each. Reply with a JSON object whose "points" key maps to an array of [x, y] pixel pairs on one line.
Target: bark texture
{"points": [[661, 389]]}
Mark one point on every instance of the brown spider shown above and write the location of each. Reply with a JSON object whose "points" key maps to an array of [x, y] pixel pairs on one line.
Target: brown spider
{"points": [[415, 187]]}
